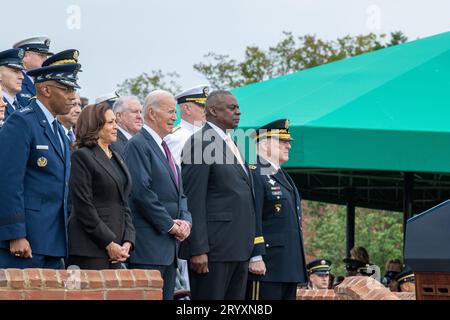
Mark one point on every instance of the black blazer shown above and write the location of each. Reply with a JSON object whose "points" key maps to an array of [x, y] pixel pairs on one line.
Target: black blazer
{"points": [[119, 145], [100, 213], [220, 199]]}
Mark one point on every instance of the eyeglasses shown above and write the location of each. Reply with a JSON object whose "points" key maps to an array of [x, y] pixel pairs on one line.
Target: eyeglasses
{"points": [[65, 89]]}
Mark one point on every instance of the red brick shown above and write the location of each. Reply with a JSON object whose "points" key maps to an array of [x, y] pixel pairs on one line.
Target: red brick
{"points": [[73, 279], [85, 295], [405, 295], [153, 294], [44, 295], [140, 278], [125, 277], [94, 279], [11, 295], [34, 278], [3, 279], [125, 295], [50, 278], [16, 278], [110, 278], [155, 278]]}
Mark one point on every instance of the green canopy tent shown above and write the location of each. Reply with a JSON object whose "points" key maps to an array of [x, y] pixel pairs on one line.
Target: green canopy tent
{"points": [[370, 131]]}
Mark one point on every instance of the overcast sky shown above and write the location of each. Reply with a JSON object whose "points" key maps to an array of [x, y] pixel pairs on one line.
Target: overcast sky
{"points": [[121, 39]]}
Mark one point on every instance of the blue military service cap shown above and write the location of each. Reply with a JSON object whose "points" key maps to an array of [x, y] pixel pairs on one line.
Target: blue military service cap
{"points": [[12, 58], [197, 94], [319, 266], [63, 57], [406, 275], [40, 44], [275, 129], [59, 69]]}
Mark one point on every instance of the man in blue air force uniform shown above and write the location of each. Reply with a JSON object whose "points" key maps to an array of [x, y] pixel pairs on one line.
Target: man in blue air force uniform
{"points": [[36, 51], [35, 172], [11, 77]]}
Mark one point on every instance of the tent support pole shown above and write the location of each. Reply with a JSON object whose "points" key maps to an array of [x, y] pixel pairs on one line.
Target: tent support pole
{"points": [[408, 185], [350, 221]]}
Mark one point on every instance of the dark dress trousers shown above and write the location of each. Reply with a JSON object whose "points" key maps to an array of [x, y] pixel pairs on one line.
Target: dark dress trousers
{"points": [[119, 145], [278, 236], [220, 199], [99, 189], [156, 200]]}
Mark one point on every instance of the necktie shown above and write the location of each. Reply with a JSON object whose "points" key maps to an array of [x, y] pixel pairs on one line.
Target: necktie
{"points": [[55, 131], [71, 136], [16, 105], [229, 141], [170, 159]]}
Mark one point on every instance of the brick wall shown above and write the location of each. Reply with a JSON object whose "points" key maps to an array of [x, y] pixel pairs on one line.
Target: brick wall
{"points": [[355, 288], [46, 284]]}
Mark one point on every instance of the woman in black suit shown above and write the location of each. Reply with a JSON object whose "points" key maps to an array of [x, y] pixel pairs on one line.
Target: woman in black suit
{"points": [[101, 232]]}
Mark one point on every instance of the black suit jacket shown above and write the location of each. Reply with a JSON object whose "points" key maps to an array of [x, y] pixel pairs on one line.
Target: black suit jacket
{"points": [[100, 213], [119, 145], [155, 201], [220, 199]]}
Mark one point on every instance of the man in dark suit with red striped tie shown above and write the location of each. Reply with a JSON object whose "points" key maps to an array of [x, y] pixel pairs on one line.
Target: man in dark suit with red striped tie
{"points": [[157, 202]]}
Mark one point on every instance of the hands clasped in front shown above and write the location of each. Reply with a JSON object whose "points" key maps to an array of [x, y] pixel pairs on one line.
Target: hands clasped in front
{"points": [[181, 229], [117, 252]]}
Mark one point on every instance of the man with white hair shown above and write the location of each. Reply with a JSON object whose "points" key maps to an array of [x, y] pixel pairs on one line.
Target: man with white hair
{"points": [[128, 111], [157, 202]]}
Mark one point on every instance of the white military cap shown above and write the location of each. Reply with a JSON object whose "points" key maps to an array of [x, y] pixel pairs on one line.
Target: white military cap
{"points": [[197, 94], [39, 44], [110, 98]]}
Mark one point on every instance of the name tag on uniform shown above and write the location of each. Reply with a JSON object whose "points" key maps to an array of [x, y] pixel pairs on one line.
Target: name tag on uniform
{"points": [[41, 147]]}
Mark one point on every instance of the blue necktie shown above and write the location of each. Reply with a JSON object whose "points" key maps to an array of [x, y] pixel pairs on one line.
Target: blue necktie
{"points": [[71, 136], [16, 105], [55, 131]]}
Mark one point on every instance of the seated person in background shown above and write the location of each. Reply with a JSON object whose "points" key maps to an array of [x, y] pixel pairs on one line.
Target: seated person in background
{"points": [[360, 254], [318, 274], [393, 268], [406, 281], [352, 266]]}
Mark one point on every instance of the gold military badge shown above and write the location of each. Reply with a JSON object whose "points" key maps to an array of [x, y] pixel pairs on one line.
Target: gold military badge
{"points": [[42, 162], [277, 207]]}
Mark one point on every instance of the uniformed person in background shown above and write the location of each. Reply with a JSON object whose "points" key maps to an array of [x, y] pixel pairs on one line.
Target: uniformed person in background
{"points": [[11, 77], [319, 274], [109, 98], [2, 107], [193, 117], [277, 265], [36, 52], [35, 173], [406, 280]]}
